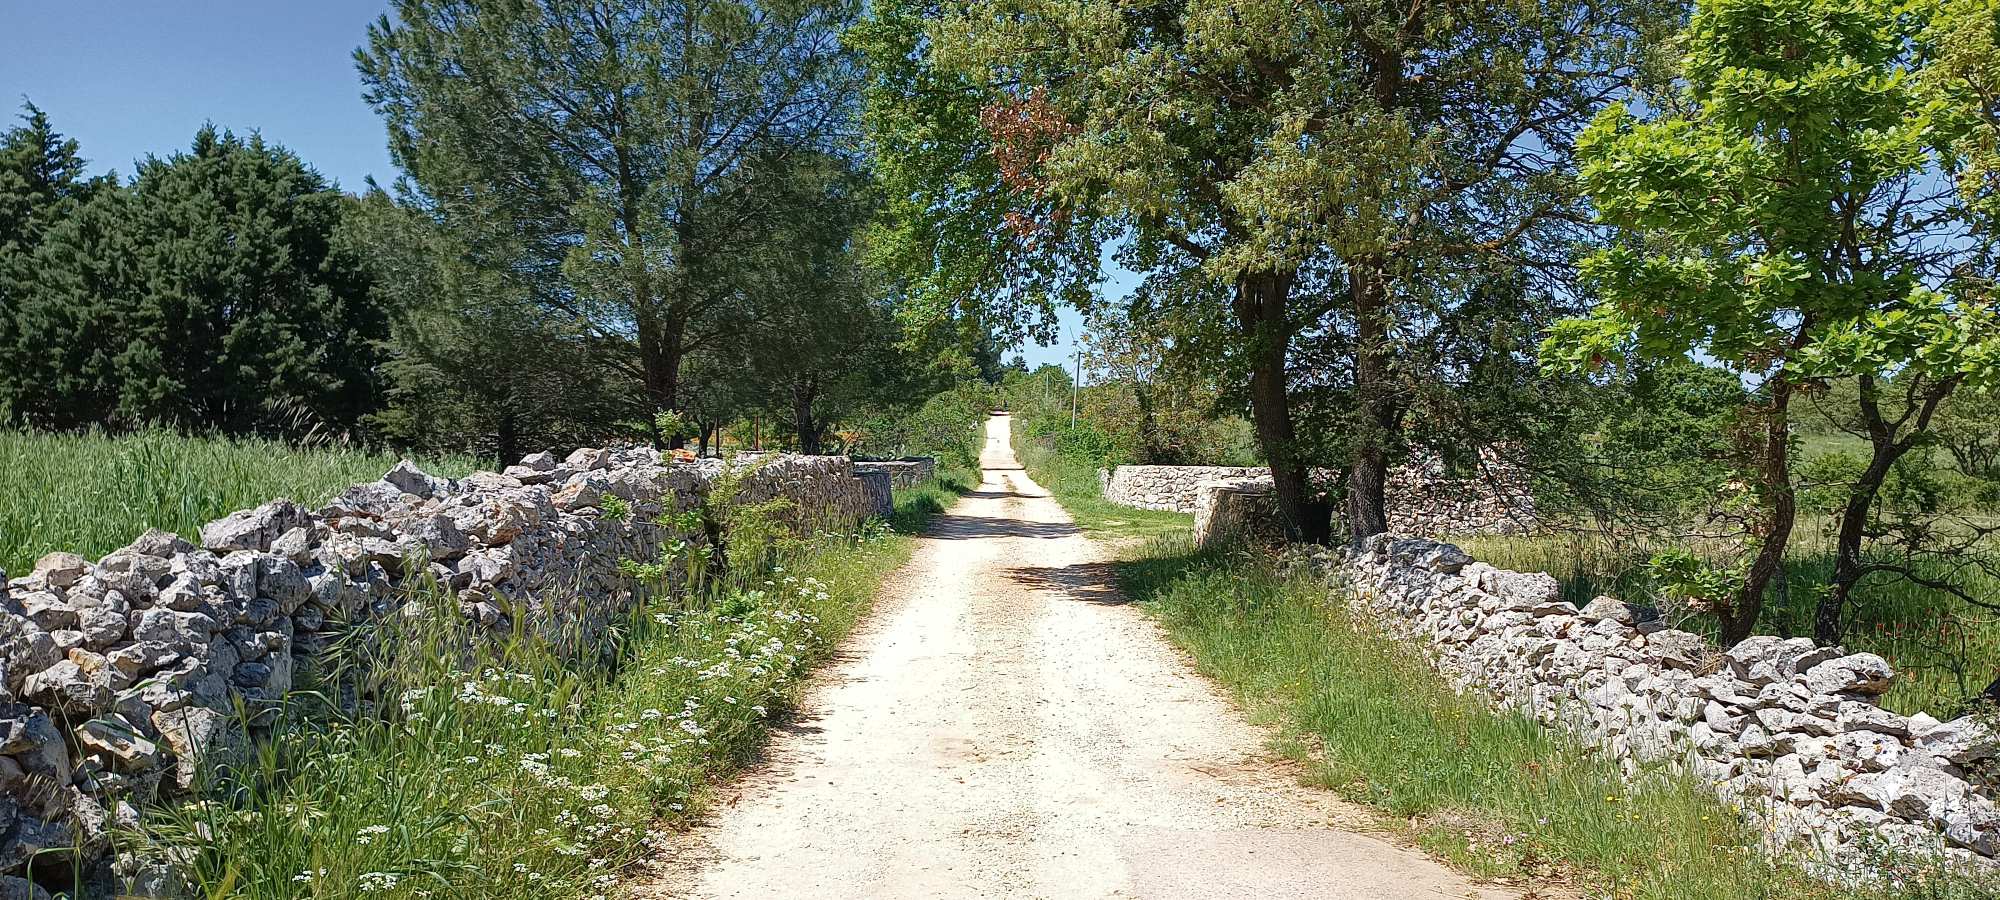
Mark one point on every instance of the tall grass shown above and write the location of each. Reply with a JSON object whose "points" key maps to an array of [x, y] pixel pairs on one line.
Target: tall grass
{"points": [[1945, 652], [93, 493], [1492, 791], [514, 771]]}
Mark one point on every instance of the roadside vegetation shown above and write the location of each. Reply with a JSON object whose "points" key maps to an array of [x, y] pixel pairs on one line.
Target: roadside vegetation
{"points": [[1493, 792], [503, 768]]}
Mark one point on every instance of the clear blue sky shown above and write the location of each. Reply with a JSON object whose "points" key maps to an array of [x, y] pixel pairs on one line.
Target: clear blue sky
{"points": [[131, 78], [127, 79]]}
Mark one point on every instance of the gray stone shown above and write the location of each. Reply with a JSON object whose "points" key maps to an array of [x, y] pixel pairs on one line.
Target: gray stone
{"points": [[117, 741], [375, 499], [201, 739], [282, 580], [159, 544], [414, 481], [1963, 740], [1678, 649], [252, 529], [586, 459], [540, 462], [295, 545], [67, 687], [60, 570], [1859, 673]]}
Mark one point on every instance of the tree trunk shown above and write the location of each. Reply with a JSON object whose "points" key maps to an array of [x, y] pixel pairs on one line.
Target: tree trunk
{"points": [[1775, 471], [1368, 460], [1260, 310], [1884, 449], [803, 394], [507, 440]]}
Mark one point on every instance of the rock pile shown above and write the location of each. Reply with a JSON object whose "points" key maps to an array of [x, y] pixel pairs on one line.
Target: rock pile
{"points": [[1792, 731], [119, 678]]}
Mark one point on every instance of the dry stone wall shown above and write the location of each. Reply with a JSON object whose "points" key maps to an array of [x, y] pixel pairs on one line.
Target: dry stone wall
{"points": [[119, 677], [904, 473], [1422, 497], [1792, 731]]}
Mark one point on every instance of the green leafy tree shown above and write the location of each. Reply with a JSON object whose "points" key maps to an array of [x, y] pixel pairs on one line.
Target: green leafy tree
{"points": [[473, 364], [212, 293], [1787, 215], [1267, 165], [611, 137]]}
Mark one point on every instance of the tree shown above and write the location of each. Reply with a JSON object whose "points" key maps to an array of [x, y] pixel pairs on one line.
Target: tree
{"points": [[473, 364], [211, 293], [42, 180], [1279, 161], [1785, 217], [610, 136]]}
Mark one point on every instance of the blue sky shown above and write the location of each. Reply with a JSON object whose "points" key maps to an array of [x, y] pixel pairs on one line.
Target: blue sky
{"points": [[131, 78], [127, 79]]}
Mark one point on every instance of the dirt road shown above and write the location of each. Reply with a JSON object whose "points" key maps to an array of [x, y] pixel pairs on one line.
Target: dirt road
{"points": [[1005, 726]]}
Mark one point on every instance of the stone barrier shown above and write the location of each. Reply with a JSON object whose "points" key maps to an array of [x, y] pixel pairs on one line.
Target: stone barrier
{"points": [[119, 676], [1792, 731], [904, 473], [1422, 497]]}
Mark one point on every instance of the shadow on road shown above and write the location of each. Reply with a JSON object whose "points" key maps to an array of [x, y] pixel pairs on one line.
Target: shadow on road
{"points": [[1088, 582], [965, 528]]}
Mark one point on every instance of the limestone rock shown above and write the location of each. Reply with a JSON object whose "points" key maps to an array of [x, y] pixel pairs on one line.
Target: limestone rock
{"points": [[252, 529], [118, 741], [1859, 673], [60, 570]]}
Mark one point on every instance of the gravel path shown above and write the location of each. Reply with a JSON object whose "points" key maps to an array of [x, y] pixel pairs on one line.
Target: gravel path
{"points": [[1005, 726]]}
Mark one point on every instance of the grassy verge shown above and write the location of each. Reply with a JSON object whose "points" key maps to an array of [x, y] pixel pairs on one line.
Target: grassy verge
{"points": [[1490, 791], [93, 493], [520, 773], [1074, 484]]}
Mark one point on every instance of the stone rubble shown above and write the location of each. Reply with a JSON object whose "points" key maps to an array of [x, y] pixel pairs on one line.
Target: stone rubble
{"points": [[1791, 731], [119, 679]]}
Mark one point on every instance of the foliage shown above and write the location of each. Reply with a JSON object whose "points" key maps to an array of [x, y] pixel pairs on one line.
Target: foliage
{"points": [[949, 426], [213, 292], [1269, 167], [1071, 478], [1788, 215], [624, 149], [92, 493], [474, 365]]}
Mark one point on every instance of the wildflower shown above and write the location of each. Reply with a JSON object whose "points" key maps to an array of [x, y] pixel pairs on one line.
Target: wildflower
{"points": [[368, 834], [370, 882]]}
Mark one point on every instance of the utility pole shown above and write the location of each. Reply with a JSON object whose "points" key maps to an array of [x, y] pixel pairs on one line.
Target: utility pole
{"points": [[1075, 385]]}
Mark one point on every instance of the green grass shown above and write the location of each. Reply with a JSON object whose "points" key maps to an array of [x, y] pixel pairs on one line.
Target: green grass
{"points": [[92, 493], [1074, 484], [1944, 651], [1490, 791], [916, 506], [520, 773]]}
